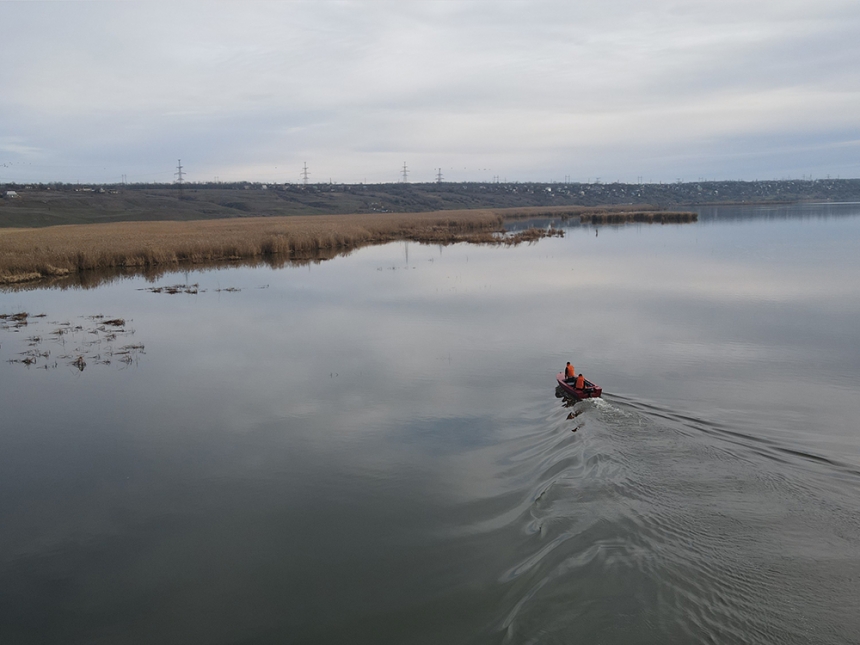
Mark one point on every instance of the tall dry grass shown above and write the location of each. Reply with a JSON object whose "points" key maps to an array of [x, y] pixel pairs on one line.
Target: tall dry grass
{"points": [[33, 254], [27, 254]]}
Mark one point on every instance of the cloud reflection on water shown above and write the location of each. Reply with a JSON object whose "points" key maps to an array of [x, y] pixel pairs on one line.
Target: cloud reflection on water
{"points": [[310, 444]]}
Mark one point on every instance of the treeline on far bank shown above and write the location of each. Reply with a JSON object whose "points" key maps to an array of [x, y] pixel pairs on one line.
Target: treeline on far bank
{"points": [[36, 205]]}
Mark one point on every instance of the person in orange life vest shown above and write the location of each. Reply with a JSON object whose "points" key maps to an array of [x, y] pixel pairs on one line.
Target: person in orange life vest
{"points": [[580, 382], [569, 372]]}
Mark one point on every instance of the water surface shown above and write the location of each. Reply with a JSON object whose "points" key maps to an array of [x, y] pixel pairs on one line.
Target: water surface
{"points": [[371, 449]]}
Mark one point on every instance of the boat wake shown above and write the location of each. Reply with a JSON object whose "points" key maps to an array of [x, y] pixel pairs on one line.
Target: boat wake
{"points": [[655, 523]]}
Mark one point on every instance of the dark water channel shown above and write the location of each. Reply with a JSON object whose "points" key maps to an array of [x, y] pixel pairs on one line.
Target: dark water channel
{"points": [[370, 450]]}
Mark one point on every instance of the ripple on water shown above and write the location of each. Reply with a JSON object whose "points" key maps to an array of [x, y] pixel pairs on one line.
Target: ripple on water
{"points": [[672, 529]]}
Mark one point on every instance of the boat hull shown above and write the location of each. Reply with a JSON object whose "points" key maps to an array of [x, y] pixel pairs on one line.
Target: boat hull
{"points": [[590, 391]]}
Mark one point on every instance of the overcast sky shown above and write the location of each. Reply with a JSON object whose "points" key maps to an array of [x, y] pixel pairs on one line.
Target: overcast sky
{"points": [[611, 89]]}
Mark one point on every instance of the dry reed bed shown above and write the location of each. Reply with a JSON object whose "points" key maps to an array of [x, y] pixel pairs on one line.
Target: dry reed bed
{"points": [[33, 254], [27, 254], [604, 215]]}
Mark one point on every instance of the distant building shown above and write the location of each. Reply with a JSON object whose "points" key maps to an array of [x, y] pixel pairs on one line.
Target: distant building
{"points": [[11, 194]]}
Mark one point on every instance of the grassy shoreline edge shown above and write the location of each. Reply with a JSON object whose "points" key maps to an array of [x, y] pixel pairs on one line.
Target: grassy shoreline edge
{"points": [[33, 254]]}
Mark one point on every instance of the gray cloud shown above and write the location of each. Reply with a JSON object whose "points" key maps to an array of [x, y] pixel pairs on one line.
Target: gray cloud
{"points": [[526, 91]]}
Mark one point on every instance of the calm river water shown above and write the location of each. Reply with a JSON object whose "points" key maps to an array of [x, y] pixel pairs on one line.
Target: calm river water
{"points": [[371, 450]]}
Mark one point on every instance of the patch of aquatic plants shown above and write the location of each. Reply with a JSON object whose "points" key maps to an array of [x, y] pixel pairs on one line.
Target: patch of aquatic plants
{"points": [[92, 340], [17, 320], [192, 289]]}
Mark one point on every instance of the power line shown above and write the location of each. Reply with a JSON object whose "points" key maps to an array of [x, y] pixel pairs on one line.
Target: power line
{"points": [[179, 176], [438, 175], [405, 173], [305, 174]]}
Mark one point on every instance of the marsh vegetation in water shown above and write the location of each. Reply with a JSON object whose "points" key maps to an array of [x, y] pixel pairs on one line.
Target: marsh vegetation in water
{"points": [[64, 252], [49, 344]]}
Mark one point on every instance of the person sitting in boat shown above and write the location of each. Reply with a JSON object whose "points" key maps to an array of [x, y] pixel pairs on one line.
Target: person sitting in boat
{"points": [[569, 372], [580, 382]]}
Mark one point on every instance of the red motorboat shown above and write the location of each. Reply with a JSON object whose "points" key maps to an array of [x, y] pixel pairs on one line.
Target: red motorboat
{"points": [[568, 387]]}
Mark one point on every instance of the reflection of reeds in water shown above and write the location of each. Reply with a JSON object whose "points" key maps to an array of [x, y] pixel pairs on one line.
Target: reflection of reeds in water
{"points": [[146, 247], [648, 217], [95, 278]]}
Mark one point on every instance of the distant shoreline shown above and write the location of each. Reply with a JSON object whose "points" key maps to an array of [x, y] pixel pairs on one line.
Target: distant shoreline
{"points": [[34, 254], [56, 204]]}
